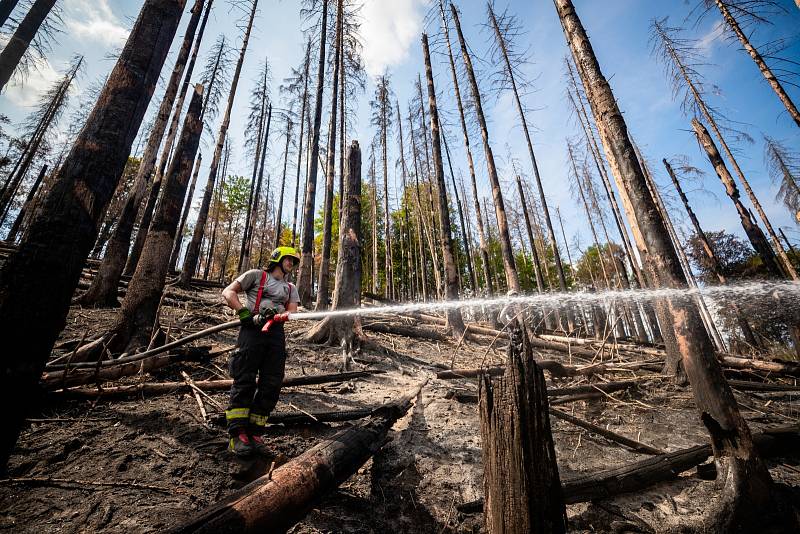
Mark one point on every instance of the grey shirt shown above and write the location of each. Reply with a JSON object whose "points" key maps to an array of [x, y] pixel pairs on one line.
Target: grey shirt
{"points": [[276, 294]]}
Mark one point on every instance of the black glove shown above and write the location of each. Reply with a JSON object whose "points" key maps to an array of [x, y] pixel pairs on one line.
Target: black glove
{"points": [[269, 313]]}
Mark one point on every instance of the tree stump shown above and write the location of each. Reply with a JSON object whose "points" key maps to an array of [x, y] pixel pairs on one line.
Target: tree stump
{"points": [[520, 477]]}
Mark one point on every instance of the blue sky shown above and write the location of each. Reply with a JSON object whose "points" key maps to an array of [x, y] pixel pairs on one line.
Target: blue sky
{"points": [[619, 30]]}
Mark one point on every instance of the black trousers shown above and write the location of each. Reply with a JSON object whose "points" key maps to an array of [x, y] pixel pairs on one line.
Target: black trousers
{"points": [[257, 367]]}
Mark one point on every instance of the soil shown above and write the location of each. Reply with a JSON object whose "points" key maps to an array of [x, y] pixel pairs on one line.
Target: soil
{"points": [[146, 464]]}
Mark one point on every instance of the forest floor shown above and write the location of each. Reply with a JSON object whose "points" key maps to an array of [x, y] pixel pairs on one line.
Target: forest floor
{"points": [[148, 463]]}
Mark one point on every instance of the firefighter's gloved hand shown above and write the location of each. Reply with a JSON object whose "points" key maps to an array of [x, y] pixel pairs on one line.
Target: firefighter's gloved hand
{"points": [[246, 317], [269, 313]]}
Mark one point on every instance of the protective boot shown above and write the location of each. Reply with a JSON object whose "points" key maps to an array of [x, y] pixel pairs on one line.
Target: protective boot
{"points": [[241, 445], [259, 445]]}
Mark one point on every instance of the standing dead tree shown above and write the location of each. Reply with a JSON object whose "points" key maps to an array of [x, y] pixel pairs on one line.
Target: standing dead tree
{"points": [[512, 278], [58, 242], [138, 316], [297, 87], [746, 493], [345, 330], [482, 244], [307, 243], [784, 169], [6, 7], [279, 204], [679, 56], [454, 320], [103, 291], [382, 120], [19, 42], [735, 13], [192, 257], [505, 28]]}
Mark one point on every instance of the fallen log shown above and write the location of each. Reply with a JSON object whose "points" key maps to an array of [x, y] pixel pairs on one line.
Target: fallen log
{"points": [[275, 502], [161, 388], [640, 475], [608, 434], [594, 389], [749, 385], [310, 418], [407, 331], [555, 368], [748, 364]]}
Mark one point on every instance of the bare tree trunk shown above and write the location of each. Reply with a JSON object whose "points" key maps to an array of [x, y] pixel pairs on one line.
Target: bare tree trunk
{"points": [[387, 231], [303, 111], [467, 247], [56, 246], [279, 215], [746, 481], [193, 251], [773, 81], [215, 221], [176, 249], [404, 199], [253, 216], [6, 7], [327, 217], [18, 43], [12, 233], [346, 330], [103, 291], [454, 319], [512, 278], [536, 263], [307, 257], [244, 251], [716, 267], [134, 324]]}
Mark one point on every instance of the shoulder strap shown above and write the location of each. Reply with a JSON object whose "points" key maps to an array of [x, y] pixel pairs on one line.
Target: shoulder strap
{"points": [[260, 291]]}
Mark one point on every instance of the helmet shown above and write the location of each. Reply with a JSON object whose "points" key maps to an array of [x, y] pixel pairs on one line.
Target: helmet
{"points": [[277, 256]]}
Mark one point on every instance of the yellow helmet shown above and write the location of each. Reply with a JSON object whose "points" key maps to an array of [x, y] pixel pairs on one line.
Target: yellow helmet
{"points": [[277, 256]]}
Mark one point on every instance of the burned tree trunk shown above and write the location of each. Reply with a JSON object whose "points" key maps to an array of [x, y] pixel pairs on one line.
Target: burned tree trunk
{"points": [[250, 218], [512, 278], [330, 169], [192, 256], [716, 267], [26, 207], [303, 111], [521, 484], [19, 42], [772, 80], [454, 320], [6, 7], [139, 312], [746, 483], [345, 330], [176, 248], [103, 291], [537, 269], [56, 246], [307, 250], [279, 209]]}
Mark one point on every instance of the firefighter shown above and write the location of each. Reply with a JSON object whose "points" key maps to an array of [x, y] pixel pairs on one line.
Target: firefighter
{"points": [[257, 364]]}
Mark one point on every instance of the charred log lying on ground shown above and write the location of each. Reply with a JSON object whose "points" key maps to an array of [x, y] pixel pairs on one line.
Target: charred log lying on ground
{"points": [[276, 501]]}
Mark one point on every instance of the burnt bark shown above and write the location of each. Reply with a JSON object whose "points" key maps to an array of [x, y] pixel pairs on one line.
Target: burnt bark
{"points": [[134, 324], [6, 7], [12, 233], [103, 291], [18, 43], [521, 484], [745, 482], [454, 320], [56, 246], [307, 250], [176, 248], [192, 256], [279, 212]]}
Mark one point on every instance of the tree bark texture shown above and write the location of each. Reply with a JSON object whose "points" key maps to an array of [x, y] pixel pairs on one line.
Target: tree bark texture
{"points": [[521, 484], [21, 39], [6, 7], [512, 278], [187, 207], [745, 481], [103, 291], [307, 250], [58, 242], [26, 207], [454, 319], [347, 292], [139, 311], [192, 257]]}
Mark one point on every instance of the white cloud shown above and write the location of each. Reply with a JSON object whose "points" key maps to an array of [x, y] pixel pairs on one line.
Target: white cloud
{"points": [[93, 20], [25, 92], [389, 28], [714, 35]]}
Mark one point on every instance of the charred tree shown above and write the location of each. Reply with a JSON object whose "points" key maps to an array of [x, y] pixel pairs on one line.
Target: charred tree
{"points": [[454, 320], [382, 119], [307, 250], [746, 483], [6, 7], [512, 278], [323, 291], [26, 206], [176, 248], [279, 208], [522, 487], [103, 291], [134, 324], [346, 330], [23, 35], [58, 242], [784, 167], [303, 112], [192, 256]]}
